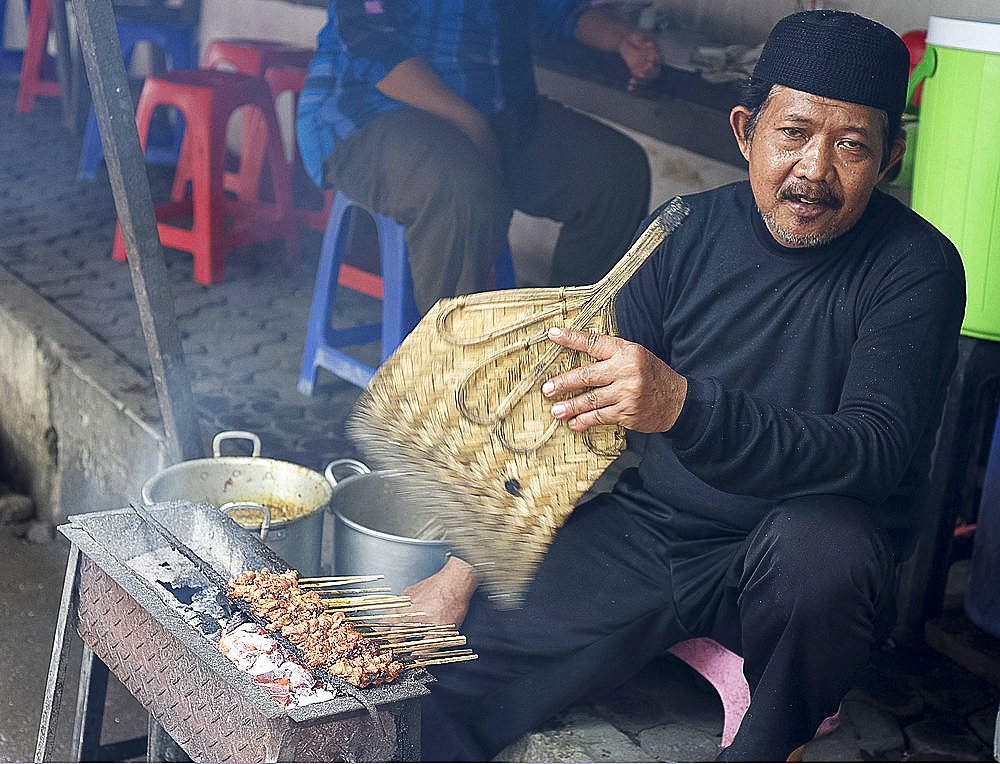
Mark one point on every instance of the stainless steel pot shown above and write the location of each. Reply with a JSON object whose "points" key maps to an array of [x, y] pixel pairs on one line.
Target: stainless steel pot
{"points": [[375, 530], [295, 498]]}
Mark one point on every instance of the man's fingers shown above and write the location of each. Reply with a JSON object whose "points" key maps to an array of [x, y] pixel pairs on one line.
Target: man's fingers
{"points": [[598, 346], [588, 402]]}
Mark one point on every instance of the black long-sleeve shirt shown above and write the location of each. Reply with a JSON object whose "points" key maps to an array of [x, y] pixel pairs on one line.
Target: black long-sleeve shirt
{"points": [[810, 371]]}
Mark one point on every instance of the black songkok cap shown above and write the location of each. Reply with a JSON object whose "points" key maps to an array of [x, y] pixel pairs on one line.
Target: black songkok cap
{"points": [[838, 55]]}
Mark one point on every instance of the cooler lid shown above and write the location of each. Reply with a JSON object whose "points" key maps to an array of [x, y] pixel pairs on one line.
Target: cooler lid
{"points": [[966, 33]]}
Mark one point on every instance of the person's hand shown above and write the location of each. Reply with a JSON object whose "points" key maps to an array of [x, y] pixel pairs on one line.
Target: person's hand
{"points": [[443, 598], [479, 130], [626, 385], [640, 53]]}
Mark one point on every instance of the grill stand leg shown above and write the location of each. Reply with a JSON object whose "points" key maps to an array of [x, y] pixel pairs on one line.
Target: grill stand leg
{"points": [[54, 685], [161, 746], [90, 707], [94, 675]]}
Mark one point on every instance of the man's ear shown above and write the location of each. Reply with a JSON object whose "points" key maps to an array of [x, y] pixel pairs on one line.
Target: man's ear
{"points": [[738, 118], [895, 155]]}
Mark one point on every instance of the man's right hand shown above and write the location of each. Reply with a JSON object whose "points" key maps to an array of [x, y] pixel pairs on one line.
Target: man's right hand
{"points": [[444, 597]]}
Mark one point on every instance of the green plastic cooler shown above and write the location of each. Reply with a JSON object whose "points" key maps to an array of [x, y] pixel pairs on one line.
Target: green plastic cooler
{"points": [[956, 166]]}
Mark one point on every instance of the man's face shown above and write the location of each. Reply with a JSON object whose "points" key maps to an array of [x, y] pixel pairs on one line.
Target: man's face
{"points": [[813, 163]]}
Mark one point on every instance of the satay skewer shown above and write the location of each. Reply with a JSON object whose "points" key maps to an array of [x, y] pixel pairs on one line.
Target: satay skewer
{"points": [[385, 615], [356, 608], [439, 661], [339, 580], [373, 599], [394, 631], [421, 644]]}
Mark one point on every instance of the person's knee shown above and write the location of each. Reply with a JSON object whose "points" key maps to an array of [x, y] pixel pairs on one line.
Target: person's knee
{"points": [[820, 552]]}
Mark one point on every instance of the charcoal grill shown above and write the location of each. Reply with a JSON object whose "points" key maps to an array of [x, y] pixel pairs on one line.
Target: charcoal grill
{"points": [[211, 709]]}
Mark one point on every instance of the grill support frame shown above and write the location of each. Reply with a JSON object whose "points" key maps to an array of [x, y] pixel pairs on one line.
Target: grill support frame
{"points": [[200, 699]]}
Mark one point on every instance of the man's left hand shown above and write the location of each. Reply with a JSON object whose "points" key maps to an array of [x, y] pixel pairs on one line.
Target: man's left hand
{"points": [[626, 385]]}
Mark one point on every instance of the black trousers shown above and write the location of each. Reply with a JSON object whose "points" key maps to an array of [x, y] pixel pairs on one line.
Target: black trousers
{"points": [[806, 597], [425, 173]]}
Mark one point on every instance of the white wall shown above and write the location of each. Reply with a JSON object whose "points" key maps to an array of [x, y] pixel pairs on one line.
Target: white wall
{"points": [[748, 21], [732, 21], [262, 19]]}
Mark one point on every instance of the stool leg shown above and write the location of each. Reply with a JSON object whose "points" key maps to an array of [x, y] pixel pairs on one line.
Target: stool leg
{"points": [[93, 152], [33, 60], [208, 212], [399, 311], [326, 282], [281, 182]]}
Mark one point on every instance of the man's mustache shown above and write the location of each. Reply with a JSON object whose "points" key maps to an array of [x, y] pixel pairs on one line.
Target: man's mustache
{"points": [[811, 193]]}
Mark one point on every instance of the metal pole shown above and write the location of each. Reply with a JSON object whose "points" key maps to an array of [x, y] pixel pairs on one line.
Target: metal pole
{"points": [[54, 685], [126, 164]]}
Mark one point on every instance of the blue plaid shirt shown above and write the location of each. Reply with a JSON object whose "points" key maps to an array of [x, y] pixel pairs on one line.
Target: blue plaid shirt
{"points": [[364, 39]]}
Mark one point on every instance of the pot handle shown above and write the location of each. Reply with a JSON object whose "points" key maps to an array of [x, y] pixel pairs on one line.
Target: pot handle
{"points": [[356, 468], [926, 68], [225, 435], [232, 506]]}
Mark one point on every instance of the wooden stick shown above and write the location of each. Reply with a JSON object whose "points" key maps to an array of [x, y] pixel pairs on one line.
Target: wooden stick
{"points": [[340, 580], [322, 591], [362, 599], [353, 607], [392, 631], [385, 615], [368, 607], [419, 644], [439, 661]]}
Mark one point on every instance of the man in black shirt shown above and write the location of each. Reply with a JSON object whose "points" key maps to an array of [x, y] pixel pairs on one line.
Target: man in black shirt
{"points": [[785, 354]]}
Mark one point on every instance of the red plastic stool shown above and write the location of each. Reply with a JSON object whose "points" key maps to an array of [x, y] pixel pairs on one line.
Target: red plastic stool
{"points": [[35, 62], [219, 223], [252, 57], [312, 206]]}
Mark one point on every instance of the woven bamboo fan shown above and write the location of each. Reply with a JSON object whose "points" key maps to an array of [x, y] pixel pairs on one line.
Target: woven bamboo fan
{"points": [[458, 415]]}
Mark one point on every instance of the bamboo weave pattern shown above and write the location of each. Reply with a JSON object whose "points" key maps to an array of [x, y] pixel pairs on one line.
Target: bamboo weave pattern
{"points": [[457, 412]]}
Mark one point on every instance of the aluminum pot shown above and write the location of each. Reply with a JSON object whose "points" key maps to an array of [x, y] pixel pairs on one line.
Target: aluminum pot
{"points": [[284, 502], [375, 530]]}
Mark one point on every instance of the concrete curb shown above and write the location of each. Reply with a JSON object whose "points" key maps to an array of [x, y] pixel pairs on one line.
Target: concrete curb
{"points": [[80, 425]]}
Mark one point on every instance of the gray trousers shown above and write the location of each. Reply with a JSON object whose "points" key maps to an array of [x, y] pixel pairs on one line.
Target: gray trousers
{"points": [[426, 174]]}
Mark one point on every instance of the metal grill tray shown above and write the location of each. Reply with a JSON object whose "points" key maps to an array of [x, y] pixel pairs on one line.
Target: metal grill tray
{"points": [[128, 623]]}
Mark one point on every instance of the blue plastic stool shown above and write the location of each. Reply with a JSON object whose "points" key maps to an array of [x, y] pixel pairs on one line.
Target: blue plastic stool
{"points": [[9, 58], [178, 42], [399, 311]]}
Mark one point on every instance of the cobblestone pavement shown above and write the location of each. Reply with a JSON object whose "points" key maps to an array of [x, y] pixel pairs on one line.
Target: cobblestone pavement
{"points": [[242, 339], [243, 342]]}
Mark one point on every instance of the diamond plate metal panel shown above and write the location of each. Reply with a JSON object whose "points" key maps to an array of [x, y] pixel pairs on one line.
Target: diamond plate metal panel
{"points": [[184, 695], [208, 717]]}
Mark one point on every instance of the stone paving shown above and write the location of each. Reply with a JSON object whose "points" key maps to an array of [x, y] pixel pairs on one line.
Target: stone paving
{"points": [[57, 237], [243, 342]]}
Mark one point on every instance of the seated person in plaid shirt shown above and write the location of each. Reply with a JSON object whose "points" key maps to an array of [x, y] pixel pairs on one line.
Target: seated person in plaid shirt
{"points": [[427, 112]]}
